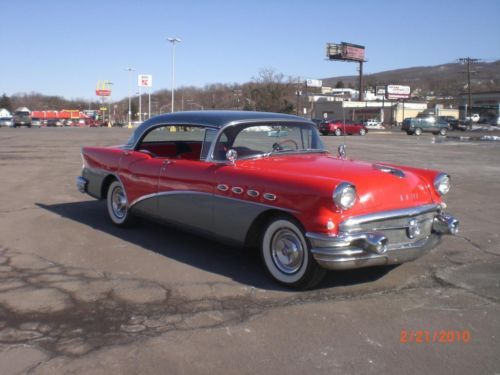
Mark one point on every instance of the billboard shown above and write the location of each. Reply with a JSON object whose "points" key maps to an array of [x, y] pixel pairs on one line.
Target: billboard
{"points": [[314, 82], [345, 52], [397, 92], [145, 80]]}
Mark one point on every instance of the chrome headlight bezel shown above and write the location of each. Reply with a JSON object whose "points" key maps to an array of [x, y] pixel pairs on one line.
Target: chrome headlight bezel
{"points": [[442, 183], [344, 195]]}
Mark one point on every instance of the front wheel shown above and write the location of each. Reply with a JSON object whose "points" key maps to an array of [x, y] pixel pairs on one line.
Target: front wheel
{"points": [[442, 131], [117, 205], [362, 132], [287, 256], [338, 132], [418, 131]]}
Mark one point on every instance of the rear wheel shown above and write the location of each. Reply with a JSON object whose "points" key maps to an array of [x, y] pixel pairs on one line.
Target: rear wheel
{"points": [[442, 131], [117, 205], [418, 131], [287, 255], [338, 132], [362, 131]]}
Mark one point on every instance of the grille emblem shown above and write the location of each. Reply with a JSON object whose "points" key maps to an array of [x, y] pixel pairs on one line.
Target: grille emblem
{"points": [[413, 228]]}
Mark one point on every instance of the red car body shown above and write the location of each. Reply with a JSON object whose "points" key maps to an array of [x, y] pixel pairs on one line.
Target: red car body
{"points": [[339, 127], [286, 201]]}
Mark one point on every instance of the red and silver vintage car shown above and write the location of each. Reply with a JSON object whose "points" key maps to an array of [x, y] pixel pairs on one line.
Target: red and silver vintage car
{"points": [[264, 180]]}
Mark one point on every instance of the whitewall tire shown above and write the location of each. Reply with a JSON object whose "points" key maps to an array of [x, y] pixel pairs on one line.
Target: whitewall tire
{"points": [[117, 205], [286, 254]]}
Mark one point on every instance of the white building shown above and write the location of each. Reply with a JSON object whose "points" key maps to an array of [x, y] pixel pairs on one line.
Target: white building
{"points": [[4, 113]]}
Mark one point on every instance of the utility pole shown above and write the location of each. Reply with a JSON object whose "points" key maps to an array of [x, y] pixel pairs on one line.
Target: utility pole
{"points": [[468, 61], [361, 88]]}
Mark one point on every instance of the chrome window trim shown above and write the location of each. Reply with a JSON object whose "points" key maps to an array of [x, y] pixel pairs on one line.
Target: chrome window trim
{"points": [[162, 124], [210, 156]]}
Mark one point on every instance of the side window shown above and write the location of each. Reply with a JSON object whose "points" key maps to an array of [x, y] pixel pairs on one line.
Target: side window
{"points": [[209, 138], [174, 141], [175, 133]]}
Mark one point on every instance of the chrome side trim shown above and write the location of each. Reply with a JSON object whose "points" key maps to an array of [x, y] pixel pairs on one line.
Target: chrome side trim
{"points": [[187, 192], [354, 221]]}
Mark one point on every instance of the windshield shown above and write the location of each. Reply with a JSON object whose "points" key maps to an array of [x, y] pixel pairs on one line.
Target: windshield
{"points": [[264, 140]]}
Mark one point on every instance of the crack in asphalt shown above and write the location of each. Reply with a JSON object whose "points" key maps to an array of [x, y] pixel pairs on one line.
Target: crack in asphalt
{"points": [[478, 247], [73, 311]]}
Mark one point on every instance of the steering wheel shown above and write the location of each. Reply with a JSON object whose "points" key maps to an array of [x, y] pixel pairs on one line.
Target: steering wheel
{"points": [[279, 146]]}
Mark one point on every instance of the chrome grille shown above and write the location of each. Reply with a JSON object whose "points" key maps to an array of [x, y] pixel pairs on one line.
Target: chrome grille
{"points": [[396, 229]]}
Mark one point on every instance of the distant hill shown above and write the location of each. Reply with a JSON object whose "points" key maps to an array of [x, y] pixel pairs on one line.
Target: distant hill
{"points": [[445, 80]]}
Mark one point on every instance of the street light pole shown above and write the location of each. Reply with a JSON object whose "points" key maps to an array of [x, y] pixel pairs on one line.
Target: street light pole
{"points": [[173, 41], [130, 96]]}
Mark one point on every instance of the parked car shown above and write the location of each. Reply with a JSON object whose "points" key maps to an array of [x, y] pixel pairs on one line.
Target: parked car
{"points": [[373, 124], [474, 117], [54, 122], [36, 122], [454, 123], [418, 125], [306, 210], [339, 127], [22, 117], [6, 121]]}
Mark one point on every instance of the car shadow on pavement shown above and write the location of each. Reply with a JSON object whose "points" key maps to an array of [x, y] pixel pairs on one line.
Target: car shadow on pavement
{"points": [[243, 266]]}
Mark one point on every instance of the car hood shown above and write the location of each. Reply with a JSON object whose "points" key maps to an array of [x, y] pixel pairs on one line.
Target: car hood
{"points": [[379, 186]]}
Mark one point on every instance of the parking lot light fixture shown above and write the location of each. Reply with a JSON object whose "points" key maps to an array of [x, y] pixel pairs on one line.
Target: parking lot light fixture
{"points": [[173, 41]]}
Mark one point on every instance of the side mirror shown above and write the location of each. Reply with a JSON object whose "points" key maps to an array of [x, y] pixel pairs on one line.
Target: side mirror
{"points": [[231, 155]]}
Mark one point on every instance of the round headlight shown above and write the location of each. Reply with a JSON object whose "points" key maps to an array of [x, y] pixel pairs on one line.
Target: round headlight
{"points": [[442, 183], [344, 195]]}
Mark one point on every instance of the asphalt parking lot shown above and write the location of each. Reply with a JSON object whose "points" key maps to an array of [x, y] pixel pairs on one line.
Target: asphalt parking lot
{"points": [[78, 295]]}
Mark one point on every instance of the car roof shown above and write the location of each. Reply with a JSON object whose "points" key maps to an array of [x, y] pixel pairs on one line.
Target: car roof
{"points": [[213, 119]]}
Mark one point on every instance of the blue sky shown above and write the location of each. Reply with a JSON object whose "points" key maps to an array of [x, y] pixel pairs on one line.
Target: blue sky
{"points": [[64, 47]]}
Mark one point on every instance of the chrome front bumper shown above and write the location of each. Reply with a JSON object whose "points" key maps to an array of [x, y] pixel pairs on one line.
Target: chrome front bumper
{"points": [[356, 247], [81, 184]]}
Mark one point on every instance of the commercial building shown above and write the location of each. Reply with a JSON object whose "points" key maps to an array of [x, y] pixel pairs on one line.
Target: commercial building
{"points": [[388, 112], [486, 104]]}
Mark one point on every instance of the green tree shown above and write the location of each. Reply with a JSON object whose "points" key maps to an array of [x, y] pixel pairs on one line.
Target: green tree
{"points": [[5, 103], [339, 85]]}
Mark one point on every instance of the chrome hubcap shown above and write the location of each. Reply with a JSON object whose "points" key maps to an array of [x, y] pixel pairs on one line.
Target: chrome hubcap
{"points": [[119, 203], [287, 251]]}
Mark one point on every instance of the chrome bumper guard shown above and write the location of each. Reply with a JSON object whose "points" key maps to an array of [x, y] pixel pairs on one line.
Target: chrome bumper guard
{"points": [[81, 184], [357, 249]]}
